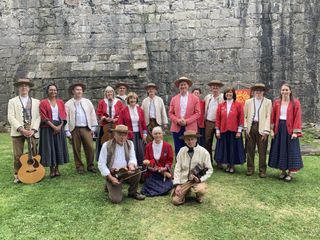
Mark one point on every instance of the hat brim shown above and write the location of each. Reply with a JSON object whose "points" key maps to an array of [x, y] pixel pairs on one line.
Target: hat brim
{"points": [[122, 84], [255, 88], [119, 131], [151, 86], [17, 84], [75, 85], [218, 84], [178, 81], [193, 136]]}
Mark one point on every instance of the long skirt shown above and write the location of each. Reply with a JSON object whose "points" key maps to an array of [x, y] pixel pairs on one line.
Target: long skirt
{"points": [[53, 148], [229, 149], [138, 147], [155, 186], [285, 152]]}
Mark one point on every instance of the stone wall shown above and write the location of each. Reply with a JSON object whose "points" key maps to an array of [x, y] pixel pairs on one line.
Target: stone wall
{"points": [[100, 42]]}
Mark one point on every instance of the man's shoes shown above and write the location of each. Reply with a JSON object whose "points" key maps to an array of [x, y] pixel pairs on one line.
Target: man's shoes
{"points": [[199, 199], [249, 173], [137, 196], [262, 175], [80, 171], [93, 170], [16, 179]]}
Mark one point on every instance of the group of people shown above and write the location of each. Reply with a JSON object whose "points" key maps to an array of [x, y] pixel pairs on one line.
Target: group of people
{"points": [[129, 136]]}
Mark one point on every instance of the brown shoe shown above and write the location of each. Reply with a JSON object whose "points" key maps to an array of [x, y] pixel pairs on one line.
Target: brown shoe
{"points": [[262, 175], [80, 170], [199, 199], [137, 196], [56, 172], [249, 173], [52, 172], [93, 170]]}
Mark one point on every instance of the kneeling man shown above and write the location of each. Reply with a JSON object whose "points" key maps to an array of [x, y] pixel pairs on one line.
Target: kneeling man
{"points": [[118, 153], [190, 158]]}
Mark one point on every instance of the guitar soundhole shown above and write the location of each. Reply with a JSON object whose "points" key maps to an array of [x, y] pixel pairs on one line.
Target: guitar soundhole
{"points": [[34, 163]]}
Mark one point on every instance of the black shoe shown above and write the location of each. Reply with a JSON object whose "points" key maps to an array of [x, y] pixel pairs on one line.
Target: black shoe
{"points": [[137, 196], [80, 171], [93, 170]]}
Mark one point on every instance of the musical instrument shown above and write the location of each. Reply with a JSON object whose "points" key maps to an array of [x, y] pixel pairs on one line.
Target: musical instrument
{"points": [[123, 174], [165, 174], [31, 170]]}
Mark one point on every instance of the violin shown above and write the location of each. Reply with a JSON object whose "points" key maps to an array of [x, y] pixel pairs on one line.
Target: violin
{"points": [[107, 133], [123, 174]]}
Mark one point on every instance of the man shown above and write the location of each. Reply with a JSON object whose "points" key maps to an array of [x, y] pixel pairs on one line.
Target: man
{"points": [[122, 89], [80, 127], [154, 110], [211, 105], [257, 113], [21, 110], [201, 129], [184, 180], [116, 154], [184, 112]]}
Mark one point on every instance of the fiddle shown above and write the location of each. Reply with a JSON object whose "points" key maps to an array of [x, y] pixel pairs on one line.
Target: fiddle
{"points": [[163, 171], [123, 174]]}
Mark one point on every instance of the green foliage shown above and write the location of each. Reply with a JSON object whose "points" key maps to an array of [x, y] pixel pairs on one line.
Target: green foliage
{"points": [[236, 207]]}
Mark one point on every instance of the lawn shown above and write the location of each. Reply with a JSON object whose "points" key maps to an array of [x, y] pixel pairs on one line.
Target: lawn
{"points": [[236, 207]]}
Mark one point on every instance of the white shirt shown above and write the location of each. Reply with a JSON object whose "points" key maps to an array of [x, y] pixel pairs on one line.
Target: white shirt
{"points": [[157, 149], [119, 158], [134, 118], [283, 112], [183, 105], [212, 109], [81, 120], [24, 100], [257, 103], [152, 109], [55, 112], [112, 107], [123, 97], [229, 104]]}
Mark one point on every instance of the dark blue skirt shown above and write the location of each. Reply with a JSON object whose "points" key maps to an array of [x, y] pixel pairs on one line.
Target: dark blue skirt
{"points": [[285, 152], [155, 186], [229, 149]]}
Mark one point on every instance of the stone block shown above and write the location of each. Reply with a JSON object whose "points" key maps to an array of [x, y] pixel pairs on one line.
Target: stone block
{"points": [[140, 65]]}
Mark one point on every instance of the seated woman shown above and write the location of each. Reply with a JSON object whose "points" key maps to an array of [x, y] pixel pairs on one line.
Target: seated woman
{"points": [[159, 157]]}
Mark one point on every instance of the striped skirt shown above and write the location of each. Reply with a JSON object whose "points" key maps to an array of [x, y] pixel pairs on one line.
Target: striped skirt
{"points": [[229, 149], [285, 152], [155, 186], [53, 148]]}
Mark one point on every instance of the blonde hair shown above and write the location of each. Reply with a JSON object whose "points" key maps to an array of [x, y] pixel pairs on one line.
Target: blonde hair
{"points": [[157, 129], [108, 89], [131, 95]]}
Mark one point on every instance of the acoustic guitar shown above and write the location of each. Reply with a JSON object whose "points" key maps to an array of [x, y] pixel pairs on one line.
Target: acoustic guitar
{"points": [[31, 170]]}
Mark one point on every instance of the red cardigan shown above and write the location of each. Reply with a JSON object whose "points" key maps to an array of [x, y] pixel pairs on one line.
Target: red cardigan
{"points": [[125, 119], [166, 157], [46, 112], [293, 121], [231, 122], [102, 110]]}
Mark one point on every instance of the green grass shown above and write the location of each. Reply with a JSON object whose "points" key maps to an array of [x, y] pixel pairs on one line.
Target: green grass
{"points": [[236, 207]]}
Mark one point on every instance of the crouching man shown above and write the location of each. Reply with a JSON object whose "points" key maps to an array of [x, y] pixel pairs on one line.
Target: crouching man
{"points": [[192, 169], [117, 158]]}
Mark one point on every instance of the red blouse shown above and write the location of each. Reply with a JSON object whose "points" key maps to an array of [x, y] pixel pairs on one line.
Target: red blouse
{"points": [[229, 122], [102, 110], [46, 111]]}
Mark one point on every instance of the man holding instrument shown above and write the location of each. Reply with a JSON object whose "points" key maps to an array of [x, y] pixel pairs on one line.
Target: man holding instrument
{"points": [[189, 158], [118, 154], [21, 110]]}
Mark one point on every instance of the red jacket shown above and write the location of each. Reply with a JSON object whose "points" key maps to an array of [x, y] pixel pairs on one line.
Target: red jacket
{"points": [[192, 113], [231, 122], [102, 110], [125, 119], [166, 157], [46, 112], [202, 111], [293, 121]]}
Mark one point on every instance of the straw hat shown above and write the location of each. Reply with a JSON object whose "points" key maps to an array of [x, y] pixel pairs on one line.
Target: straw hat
{"points": [[183, 79], [190, 133], [23, 81], [71, 88], [120, 129], [259, 86], [151, 85], [215, 82]]}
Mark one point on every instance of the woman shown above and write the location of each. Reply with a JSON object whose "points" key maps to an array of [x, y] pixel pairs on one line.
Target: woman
{"points": [[285, 129], [53, 146], [201, 128], [159, 157], [133, 117], [229, 124], [108, 112]]}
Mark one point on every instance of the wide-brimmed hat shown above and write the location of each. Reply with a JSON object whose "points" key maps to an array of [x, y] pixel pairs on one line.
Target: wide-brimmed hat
{"points": [[76, 85], [151, 85], [190, 133], [259, 86], [120, 129], [215, 82], [23, 81], [183, 79], [122, 84]]}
